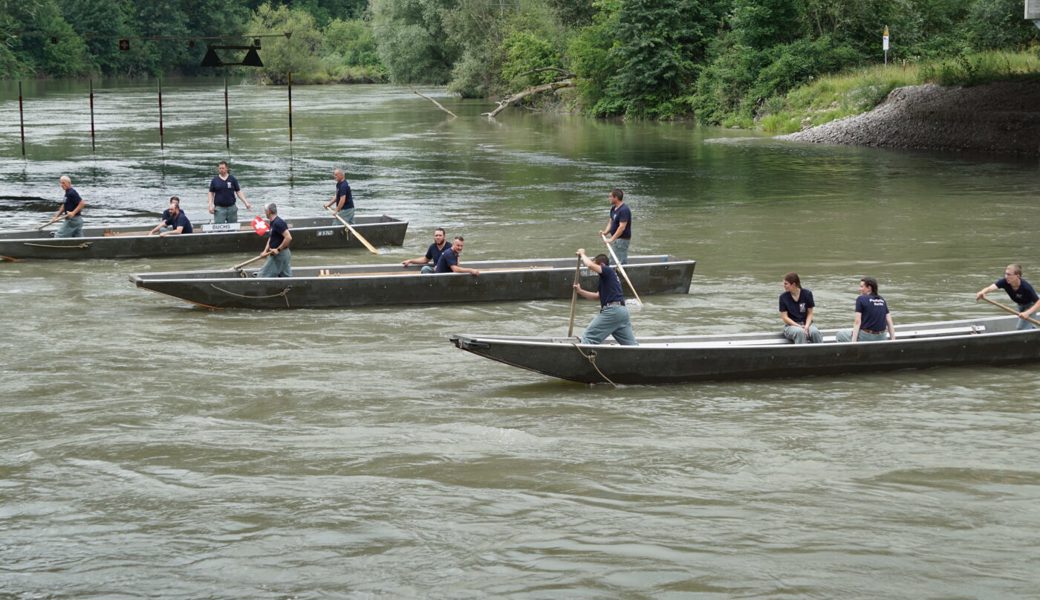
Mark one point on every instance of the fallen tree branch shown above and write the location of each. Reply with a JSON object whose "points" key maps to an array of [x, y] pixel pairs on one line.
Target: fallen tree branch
{"points": [[537, 89], [416, 92]]}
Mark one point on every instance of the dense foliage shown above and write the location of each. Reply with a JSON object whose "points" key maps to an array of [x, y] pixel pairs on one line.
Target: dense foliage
{"points": [[723, 61]]}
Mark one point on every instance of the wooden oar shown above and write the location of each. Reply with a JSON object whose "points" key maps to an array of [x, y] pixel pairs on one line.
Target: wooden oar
{"points": [[1010, 310], [621, 269], [370, 247], [10, 259], [574, 297], [239, 266], [48, 223]]}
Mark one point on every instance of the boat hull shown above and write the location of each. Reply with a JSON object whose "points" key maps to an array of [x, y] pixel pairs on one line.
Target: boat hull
{"points": [[983, 341], [131, 241], [375, 285]]}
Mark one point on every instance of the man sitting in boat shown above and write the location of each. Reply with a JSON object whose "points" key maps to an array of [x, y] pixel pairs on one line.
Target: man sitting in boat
{"points": [[796, 311], [613, 318], [174, 221], [277, 249], [433, 253], [1020, 292], [872, 316], [449, 260]]}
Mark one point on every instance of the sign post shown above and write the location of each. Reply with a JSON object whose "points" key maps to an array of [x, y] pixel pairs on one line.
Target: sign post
{"points": [[884, 43]]}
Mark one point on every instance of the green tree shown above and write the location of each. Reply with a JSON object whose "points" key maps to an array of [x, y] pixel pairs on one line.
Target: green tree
{"points": [[413, 42], [298, 54], [659, 45]]}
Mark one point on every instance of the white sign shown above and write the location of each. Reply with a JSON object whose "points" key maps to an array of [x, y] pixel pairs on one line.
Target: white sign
{"points": [[1033, 9], [220, 227], [884, 39]]}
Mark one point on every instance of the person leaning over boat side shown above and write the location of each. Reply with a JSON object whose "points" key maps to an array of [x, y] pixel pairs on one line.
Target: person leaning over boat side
{"points": [[796, 311], [1020, 292], [174, 221], [619, 227], [277, 250], [223, 191], [449, 260], [613, 318], [872, 316], [343, 198], [433, 253], [72, 207]]}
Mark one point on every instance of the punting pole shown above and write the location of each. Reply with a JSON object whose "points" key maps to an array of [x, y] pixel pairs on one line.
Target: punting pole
{"points": [[93, 145], [227, 121], [21, 117], [162, 142]]}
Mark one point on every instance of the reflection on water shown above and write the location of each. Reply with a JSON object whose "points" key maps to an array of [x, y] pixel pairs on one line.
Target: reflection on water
{"points": [[152, 449]]}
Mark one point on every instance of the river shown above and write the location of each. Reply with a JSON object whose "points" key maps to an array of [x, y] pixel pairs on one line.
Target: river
{"points": [[149, 449]]}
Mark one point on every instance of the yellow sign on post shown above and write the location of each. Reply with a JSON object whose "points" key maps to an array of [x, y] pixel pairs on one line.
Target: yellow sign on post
{"points": [[884, 43]]}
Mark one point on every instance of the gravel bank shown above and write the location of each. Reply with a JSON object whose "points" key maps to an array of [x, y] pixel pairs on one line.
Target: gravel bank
{"points": [[1002, 117]]}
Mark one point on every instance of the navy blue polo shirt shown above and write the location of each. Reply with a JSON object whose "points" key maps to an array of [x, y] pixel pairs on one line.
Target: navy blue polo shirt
{"points": [[181, 220], [433, 253], [278, 229], [609, 286], [72, 199], [1025, 294], [447, 260], [224, 190], [618, 215], [343, 189], [797, 311], [873, 310]]}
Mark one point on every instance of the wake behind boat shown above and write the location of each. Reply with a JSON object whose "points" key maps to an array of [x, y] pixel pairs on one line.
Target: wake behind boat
{"points": [[133, 241], [391, 284], [678, 359]]}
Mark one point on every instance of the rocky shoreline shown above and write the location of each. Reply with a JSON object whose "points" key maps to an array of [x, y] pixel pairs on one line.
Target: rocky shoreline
{"points": [[1000, 117]]}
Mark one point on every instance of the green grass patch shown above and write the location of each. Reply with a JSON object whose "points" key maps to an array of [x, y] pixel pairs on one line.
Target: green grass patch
{"points": [[842, 95]]}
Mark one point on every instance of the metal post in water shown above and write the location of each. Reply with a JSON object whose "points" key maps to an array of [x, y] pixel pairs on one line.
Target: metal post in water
{"points": [[162, 142], [290, 107], [21, 117], [93, 144], [227, 121]]}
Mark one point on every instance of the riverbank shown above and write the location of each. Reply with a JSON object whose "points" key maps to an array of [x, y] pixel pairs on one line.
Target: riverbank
{"points": [[999, 117]]}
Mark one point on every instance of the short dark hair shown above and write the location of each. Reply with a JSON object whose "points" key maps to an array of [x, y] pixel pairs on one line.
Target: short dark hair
{"points": [[460, 238], [871, 283], [601, 259], [223, 162], [440, 229], [792, 277], [175, 199], [618, 193]]}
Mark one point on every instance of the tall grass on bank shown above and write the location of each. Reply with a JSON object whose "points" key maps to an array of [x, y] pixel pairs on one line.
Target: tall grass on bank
{"points": [[838, 96]]}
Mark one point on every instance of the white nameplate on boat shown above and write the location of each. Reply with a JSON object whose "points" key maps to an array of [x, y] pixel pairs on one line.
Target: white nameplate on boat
{"points": [[220, 227]]}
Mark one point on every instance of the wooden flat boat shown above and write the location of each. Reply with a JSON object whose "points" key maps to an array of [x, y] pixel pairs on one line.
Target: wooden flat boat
{"points": [[392, 284], [133, 241], [982, 341]]}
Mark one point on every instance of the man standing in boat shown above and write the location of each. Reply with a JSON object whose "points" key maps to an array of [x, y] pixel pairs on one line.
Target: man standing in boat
{"points": [[277, 250], [433, 253], [223, 191], [343, 198], [1020, 292], [613, 318], [619, 227], [796, 311], [174, 221], [72, 207], [449, 260], [872, 316]]}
